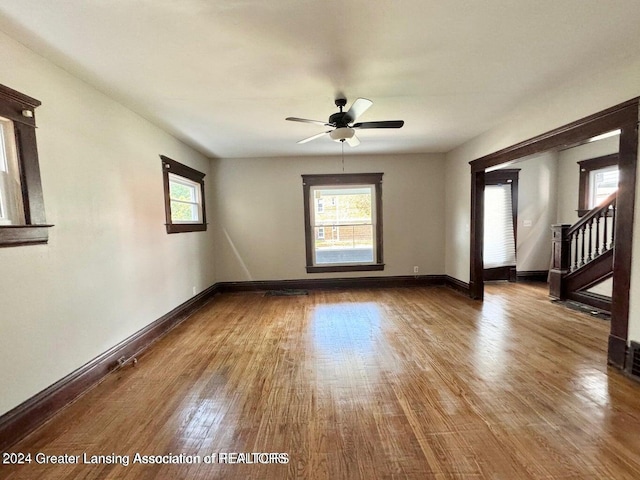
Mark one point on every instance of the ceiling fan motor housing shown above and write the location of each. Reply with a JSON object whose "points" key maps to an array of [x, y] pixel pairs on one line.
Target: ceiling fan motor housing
{"points": [[339, 119]]}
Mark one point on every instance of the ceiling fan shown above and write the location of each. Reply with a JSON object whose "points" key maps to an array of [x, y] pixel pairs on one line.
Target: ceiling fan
{"points": [[343, 122]]}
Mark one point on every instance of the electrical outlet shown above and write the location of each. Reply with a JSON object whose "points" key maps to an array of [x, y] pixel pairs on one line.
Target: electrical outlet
{"points": [[415, 269]]}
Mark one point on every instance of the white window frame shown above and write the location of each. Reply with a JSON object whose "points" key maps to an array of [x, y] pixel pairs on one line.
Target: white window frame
{"points": [[196, 204]]}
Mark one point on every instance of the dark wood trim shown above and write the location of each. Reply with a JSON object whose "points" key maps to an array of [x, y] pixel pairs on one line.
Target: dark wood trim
{"points": [[26, 417], [500, 273], [594, 300], [177, 168], [624, 117], [589, 275], [369, 267], [309, 181], [342, 179], [330, 283], [12, 106], [17, 235], [624, 220], [586, 167], [476, 275], [532, 276], [459, 285], [568, 135], [617, 352]]}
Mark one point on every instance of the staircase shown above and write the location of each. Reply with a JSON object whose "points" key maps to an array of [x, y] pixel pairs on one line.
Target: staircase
{"points": [[582, 256]]}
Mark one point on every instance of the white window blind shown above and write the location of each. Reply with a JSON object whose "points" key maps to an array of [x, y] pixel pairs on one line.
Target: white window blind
{"points": [[499, 241]]}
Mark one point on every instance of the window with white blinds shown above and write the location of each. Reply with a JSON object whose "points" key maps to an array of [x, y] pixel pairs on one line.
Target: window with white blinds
{"points": [[499, 241]]}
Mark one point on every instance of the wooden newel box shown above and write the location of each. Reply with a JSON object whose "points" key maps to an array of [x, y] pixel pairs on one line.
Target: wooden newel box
{"points": [[560, 255]]}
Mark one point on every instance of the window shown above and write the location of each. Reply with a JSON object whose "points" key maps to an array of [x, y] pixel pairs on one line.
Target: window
{"points": [[500, 220], [602, 183], [183, 197], [598, 180], [22, 218], [355, 239]]}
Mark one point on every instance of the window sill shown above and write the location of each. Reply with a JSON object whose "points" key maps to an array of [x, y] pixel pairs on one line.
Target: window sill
{"points": [[345, 268], [18, 235], [185, 227]]}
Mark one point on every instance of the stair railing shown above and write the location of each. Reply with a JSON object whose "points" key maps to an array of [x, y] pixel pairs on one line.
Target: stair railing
{"points": [[574, 246]]}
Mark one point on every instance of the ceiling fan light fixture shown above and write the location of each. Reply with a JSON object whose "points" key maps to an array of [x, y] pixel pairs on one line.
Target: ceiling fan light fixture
{"points": [[341, 134]]}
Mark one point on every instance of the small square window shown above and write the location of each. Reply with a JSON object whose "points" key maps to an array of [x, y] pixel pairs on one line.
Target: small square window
{"points": [[184, 197]]}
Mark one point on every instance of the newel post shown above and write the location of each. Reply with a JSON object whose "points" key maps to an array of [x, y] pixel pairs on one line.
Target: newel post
{"points": [[560, 259]]}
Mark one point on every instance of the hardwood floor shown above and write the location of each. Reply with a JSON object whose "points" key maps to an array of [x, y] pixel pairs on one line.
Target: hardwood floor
{"points": [[418, 383]]}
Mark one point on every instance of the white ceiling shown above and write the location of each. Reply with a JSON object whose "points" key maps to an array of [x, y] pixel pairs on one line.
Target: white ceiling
{"points": [[223, 75]]}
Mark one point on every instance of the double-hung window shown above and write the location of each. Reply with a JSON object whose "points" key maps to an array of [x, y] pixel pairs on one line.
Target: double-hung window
{"points": [[183, 197], [343, 222]]}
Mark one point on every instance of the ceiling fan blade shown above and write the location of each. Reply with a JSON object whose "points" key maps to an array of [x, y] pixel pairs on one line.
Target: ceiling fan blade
{"points": [[382, 124], [313, 137], [360, 106], [306, 120], [353, 141]]}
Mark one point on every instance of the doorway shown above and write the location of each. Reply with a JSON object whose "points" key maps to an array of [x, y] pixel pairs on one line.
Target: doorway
{"points": [[623, 117]]}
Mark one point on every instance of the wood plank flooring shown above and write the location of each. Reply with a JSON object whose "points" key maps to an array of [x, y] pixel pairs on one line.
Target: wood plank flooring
{"points": [[416, 383]]}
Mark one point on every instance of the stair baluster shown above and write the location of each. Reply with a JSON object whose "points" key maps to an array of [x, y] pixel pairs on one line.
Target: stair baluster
{"points": [[582, 249], [597, 249]]}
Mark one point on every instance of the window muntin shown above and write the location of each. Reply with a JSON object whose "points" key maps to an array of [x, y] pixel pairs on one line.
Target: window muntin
{"points": [[343, 222], [183, 197]]}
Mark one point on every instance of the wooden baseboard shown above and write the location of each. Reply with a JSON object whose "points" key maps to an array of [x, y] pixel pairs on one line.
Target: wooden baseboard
{"points": [[458, 285], [328, 283], [26, 417], [594, 300], [617, 353], [499, 273], [532, 276]]}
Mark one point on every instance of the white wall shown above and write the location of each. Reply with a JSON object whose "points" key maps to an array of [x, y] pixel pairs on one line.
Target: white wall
{"points": [[548, 110], [109, 268], [260, 217], [537, 201]]}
